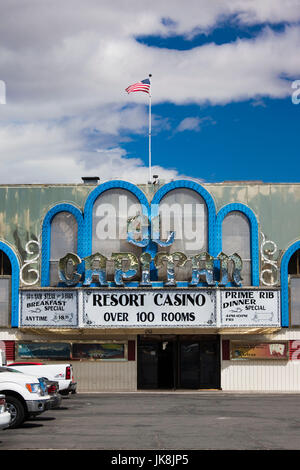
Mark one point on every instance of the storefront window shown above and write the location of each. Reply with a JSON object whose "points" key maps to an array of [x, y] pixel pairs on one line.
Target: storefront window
{"points": [[98, 351], [242, 350], [63, 240], [68, 351], [236, 239], [44, 350]]}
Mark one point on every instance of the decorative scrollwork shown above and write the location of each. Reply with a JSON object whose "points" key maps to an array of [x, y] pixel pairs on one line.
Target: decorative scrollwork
{"points": [[33, 260], [269, 265]]}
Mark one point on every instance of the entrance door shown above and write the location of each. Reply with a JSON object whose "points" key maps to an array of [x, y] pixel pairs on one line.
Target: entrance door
{"points": [[147, 364], [199, 363], [166, 362], [209, 364], [156, 363], [189, 367]]}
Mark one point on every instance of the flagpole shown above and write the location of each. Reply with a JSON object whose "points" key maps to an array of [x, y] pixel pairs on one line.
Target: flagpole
{"points": [[150, 171]]}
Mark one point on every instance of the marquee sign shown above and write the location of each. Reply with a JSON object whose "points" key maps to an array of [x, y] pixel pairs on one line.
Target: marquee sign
{"points": [[150, 308], [49, 308], [140, 309], [248, 307]]}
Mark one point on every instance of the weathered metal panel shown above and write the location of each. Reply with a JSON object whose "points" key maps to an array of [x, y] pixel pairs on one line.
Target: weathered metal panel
{"points": [[23, 207], [105, 376], [261, 375], [275, 205]]}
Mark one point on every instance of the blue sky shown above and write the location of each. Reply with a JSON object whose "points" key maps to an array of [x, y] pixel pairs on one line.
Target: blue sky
{"points": [[254, 139], [239, 141], [221, 90]]}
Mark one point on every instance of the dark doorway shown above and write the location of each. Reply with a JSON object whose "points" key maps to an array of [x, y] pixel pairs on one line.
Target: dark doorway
{"points": [[156, 362], [199, 363], [171, 362]]}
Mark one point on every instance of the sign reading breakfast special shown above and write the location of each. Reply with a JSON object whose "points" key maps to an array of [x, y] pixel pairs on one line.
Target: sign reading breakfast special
{"points": [[51, 308], [146, 309]]}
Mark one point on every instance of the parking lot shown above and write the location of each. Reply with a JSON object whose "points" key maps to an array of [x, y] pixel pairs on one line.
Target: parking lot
{"points": [[158, 420]]}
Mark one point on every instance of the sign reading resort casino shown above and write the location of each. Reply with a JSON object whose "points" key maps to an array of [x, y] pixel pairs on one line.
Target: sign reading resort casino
{"points": [[140, 309]]}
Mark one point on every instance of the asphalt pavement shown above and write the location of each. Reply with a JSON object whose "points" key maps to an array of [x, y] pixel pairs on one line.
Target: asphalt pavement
{"points": [[163, 421]]}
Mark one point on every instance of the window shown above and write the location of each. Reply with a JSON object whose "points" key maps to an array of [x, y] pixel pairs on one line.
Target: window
{"points": [[5, 266], [184, 212], [294, 264], [294, 273], [102, 350], [236, 239], [109, 234], [99, 351], [44, 350], [63, 240], [5, 289]]}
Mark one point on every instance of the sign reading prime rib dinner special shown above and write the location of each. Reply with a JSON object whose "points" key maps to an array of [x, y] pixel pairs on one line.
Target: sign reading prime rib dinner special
{"points": [[150, 308], [246, 307]]}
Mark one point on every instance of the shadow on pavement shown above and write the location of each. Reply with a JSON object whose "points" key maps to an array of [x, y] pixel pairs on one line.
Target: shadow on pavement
{"points": [[40, 418]]}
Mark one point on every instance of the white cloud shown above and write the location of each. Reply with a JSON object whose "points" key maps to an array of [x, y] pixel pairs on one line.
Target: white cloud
{"points": [[194, 123], [189, 124], [35, 153], [66, 66]]}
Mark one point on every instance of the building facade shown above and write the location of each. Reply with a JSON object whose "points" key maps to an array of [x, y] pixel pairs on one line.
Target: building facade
{"points": [[177, 285]]}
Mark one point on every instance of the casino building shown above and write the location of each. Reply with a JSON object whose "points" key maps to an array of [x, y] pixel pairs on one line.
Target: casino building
{"points": [[169, 285]]}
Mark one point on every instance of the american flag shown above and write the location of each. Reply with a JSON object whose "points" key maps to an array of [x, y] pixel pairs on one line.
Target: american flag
{"points": [[143, 85]]}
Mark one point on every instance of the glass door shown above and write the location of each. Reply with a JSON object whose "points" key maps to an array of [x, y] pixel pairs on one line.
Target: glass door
{"points": [[189, 366], [187, 362], [157, 364], [199, 363], [147, 364]]}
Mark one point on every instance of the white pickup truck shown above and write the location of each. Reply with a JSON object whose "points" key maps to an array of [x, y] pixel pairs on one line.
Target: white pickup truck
{"points": [[25, 395], [4, 413], [61, 373]]}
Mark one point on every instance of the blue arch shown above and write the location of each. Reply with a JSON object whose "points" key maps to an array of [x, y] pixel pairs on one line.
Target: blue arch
{"points": [[253, 235], [15, 272], [284, 281], [46, 237], [211, 210], [88, 208]]}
